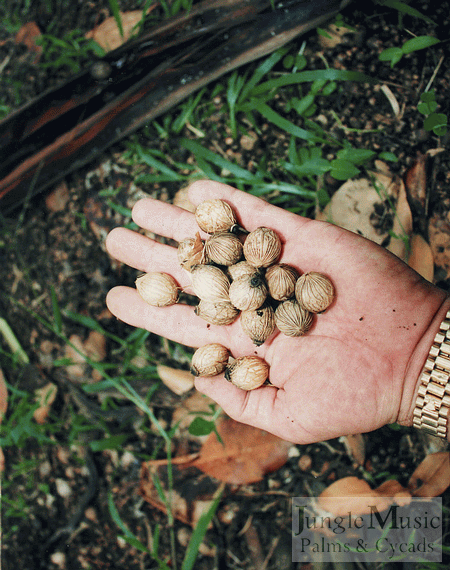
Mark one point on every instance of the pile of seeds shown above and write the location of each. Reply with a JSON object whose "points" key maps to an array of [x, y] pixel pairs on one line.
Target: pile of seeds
{"points": [[235, 273]]}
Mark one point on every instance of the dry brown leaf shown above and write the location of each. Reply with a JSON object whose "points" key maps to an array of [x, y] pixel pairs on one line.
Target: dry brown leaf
{"points": [[416, 185], [107, 34], [246, 455], [184, 536], [439, 237], [421, 257], [335, 35], [27, 35], [392, 99], [3, 408], [3, 395], [432, 476], [185, 412], [193, 491], [355, 447], [179, 381], [74, 351], [402, 225], [352, 208], [45, 396], [360, 207], [95, 346], [254, 546], [393, 488], [351, 493], [56, 200]]}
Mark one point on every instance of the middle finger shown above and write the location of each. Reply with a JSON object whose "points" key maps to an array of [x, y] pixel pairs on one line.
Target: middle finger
{"points": [[178, 323]]}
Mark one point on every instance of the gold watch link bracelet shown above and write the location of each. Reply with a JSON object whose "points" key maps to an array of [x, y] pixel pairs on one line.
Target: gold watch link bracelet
{"points": [[431, 412]]}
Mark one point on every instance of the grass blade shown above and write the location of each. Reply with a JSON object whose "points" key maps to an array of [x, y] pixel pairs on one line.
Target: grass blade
{"points": [[273, 117], [13, 343], [147, 158], [200, 531], [186, 113], [114, 5], [56, 310], [128, 535], [310, 76], [261, 70], [202, 153], [405, 9], [92, 324]]}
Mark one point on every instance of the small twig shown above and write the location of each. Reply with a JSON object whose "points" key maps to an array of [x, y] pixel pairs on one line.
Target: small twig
{"points": [[13, 343], [4, 63], [274, 544], [435, 72], [196, 131], [392, 100]]}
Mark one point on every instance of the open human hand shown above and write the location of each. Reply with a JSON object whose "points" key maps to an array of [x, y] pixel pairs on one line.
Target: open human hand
{"points": [[357, 367]]}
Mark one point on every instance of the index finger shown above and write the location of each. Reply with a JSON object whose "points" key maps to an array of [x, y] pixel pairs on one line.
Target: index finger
{"points": [[252, 212]]}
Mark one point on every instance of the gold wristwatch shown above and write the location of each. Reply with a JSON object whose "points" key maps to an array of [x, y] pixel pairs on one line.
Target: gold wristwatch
{"points": [[431, 412]]}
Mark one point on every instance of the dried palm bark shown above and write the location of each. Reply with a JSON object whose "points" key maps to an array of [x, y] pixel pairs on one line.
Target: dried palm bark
{"points": [[70, 125]]}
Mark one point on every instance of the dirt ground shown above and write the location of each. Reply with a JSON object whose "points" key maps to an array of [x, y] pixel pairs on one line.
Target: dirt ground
{"points": [[65, 520]]}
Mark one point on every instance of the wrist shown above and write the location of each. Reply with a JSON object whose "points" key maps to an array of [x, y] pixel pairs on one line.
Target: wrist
{"points": [[416, 383]]}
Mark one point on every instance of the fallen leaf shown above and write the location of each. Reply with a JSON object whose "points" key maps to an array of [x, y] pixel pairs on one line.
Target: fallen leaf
{"points": [[74, 351], [192, 493], [416, 186], [439, 238], [56, 200], [363, 207], [359, 207], [392, 100], [245, 456], [351, 494], [335, 35], [3, 396], [3, 408], [432, 476], [45, 397], [393, 488], [402, 225], [184, 536], [27, 35], [254, 545], [186, 411], [107, 34], [95, 346], [355, 447], [179, 381], [421, 257]]}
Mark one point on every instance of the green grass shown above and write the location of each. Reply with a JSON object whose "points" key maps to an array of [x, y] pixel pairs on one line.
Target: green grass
{"points": [[250, 98], [72, 51]]}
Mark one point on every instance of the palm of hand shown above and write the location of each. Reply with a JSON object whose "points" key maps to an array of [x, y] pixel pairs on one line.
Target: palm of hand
{"points": [[345, 376]]}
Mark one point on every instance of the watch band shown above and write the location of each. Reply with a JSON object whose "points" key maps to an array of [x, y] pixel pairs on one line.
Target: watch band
{"points": [[431, 412]]}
